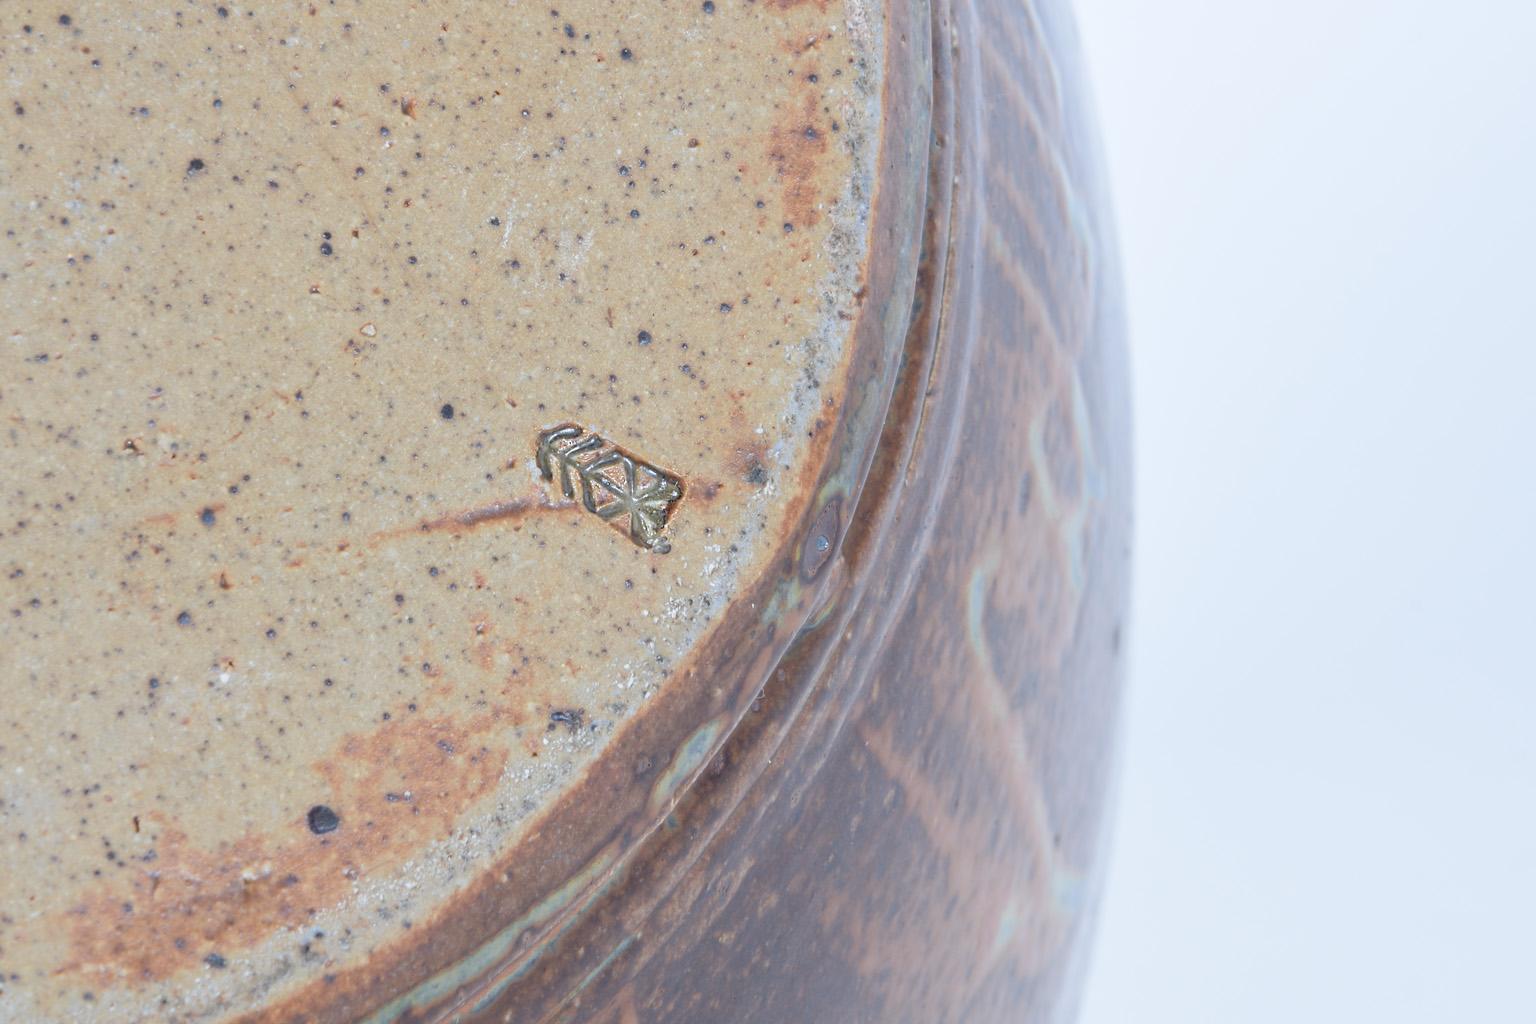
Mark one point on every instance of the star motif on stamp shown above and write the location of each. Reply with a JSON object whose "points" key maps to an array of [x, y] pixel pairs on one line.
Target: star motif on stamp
{"points": [[614, 485]]}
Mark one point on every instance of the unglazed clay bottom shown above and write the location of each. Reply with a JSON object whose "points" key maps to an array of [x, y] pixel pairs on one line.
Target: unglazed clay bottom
{"points": [[471, 472]]}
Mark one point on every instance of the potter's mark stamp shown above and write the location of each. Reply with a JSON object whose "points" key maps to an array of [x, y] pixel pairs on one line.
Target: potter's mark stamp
{"points": [[614, 485]]}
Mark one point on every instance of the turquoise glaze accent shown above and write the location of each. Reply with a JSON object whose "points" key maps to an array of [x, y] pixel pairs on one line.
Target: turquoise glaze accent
{"points": [[558, 902], [688, 759]]}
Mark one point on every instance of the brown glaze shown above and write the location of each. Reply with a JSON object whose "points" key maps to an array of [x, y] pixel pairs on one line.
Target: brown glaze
{"points": [[905, 825]]}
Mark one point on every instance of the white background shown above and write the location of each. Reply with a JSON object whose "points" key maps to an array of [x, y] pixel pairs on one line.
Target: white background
{"points": [[1327, 805]]}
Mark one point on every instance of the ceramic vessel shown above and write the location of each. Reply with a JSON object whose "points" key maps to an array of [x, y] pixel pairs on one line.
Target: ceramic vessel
{"points": [[613, 513]]}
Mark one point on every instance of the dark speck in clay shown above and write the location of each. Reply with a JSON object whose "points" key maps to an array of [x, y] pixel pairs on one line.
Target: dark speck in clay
{"points": [[571, 718], [322, 820]]}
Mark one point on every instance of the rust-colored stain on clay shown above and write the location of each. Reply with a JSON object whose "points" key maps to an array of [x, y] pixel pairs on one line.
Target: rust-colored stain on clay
{"points": [[512, 510], [796, 147], [392, 788]]}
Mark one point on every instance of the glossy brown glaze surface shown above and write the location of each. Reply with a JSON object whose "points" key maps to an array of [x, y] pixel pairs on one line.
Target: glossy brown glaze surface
{"points": [[867, 785]]}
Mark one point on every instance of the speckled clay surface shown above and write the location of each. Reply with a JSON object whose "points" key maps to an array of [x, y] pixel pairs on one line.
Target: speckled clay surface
{"points": [[294, 637]]}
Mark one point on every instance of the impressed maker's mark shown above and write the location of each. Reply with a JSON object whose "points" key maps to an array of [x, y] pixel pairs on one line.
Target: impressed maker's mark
{"points": [[613, 484]]}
